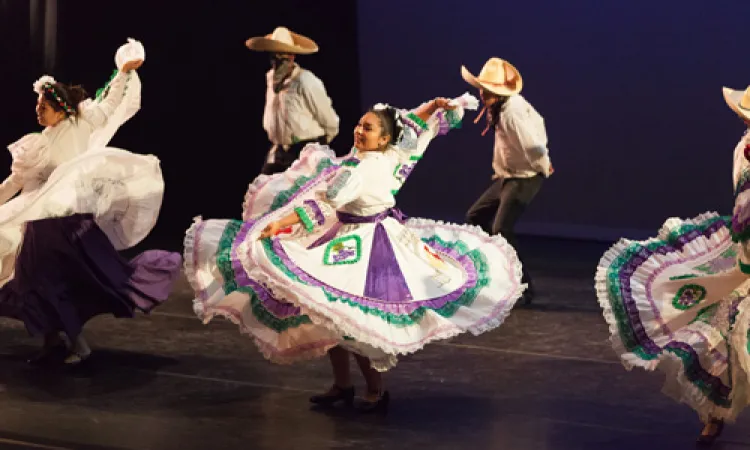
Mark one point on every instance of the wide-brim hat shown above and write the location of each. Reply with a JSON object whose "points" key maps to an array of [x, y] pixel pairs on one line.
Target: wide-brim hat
{"points": [[497, 76], [739, 101], [282, 41]]}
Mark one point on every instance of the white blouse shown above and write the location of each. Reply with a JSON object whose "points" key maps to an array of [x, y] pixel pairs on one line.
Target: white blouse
{"points": [[370, 187], [37, 155]]}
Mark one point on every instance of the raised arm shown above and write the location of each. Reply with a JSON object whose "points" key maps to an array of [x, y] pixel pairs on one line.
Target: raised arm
{"points": [[97, 112], [434, 118]]}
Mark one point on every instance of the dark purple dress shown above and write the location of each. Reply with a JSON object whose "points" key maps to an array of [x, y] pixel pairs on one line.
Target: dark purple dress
{"points": [[67, 272]]}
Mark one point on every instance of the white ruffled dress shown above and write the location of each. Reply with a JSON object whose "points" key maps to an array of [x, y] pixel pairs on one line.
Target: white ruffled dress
{"points": [[67, 169], [679, 302], [355, 272]]}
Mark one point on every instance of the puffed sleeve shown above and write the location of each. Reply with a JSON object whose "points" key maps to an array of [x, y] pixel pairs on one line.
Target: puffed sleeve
{"points": [[30, 157], [344, 186]]}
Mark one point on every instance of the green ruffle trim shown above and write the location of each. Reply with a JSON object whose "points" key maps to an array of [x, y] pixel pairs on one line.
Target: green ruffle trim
{"points": [[629, 340], [479, 260], [224, 263], [306, 222], [744, 234], [740, 237], [102, 92], [689, 361], [745, 268], [454, 120], [744, 178], [418, 120], [283, 197]]}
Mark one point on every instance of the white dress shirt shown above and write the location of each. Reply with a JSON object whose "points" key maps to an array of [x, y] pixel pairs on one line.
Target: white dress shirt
{"points": [[520, 142], [301, 111]]}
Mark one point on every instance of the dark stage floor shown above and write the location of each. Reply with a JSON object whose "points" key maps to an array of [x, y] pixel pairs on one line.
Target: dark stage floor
{"points": [[546, 379]]}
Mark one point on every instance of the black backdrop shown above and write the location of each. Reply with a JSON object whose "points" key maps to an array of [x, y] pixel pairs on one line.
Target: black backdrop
{"points": [[630, 91], [203, 91]]}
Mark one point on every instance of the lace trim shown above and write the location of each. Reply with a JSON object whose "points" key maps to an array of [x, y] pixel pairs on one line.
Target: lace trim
{"points": [[224, 264], [256, 188], [317, 313], [611, 294], [416, 122], [706, 393]]}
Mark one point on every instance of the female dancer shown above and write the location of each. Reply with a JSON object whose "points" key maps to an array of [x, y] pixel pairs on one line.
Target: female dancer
{"points": [[324, 262], [79, 203], [679, 301]]}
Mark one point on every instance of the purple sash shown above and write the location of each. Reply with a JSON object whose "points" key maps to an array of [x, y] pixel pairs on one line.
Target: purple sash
{"points": [[385, 281]]}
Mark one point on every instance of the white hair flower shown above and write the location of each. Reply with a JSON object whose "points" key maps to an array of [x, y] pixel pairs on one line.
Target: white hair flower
{"points": [[39, 84]]}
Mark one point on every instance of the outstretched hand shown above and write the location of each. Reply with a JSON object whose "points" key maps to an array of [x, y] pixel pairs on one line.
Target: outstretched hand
{"points": [[445, 103], [270, 231], [132, 65]]}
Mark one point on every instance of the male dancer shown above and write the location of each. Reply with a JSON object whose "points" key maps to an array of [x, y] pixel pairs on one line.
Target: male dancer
{"points": [[298, 110], [521, 159]]}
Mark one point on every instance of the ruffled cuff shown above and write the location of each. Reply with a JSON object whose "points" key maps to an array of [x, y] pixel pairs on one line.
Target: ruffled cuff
{"points": [[313, 213], [305, 219], [414, 122], [447, 120]]}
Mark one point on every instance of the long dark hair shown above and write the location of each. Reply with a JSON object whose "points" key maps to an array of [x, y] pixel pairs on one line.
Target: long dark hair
{"points": [[71, 95], [388, 122]]}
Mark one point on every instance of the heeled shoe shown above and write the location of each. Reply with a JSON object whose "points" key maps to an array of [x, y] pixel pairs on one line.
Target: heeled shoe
{"points": [[333, 396], [709, 439], [380, 405], [74, 359]]}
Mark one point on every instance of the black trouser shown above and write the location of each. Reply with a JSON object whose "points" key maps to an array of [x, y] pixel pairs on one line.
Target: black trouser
{"points": [[498, 209], [283, 159]]}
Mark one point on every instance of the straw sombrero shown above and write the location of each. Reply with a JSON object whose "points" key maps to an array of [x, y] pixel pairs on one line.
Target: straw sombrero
{"points": [[739, 101], [282, 41], [497, 76]]}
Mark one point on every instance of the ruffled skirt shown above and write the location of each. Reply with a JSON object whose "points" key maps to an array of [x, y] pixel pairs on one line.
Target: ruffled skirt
{"points": [[678, 302], [67, 272], [380, 289], [122, 190]]}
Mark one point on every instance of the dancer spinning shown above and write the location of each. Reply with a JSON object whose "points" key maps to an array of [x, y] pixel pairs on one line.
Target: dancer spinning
{"points": [[298, 110], [324, 263], [520, 160], [679, 301], [80, 202]]}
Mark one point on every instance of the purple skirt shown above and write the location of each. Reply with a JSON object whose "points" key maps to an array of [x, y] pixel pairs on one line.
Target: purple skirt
{"points": [[67, 272]]}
